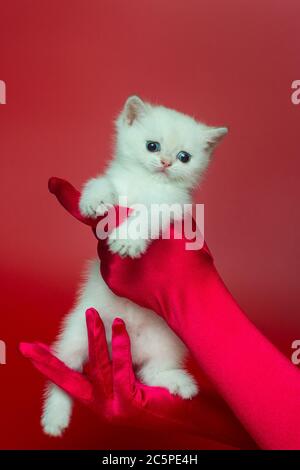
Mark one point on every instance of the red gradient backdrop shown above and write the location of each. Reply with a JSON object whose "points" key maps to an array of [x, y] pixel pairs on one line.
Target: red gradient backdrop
{"points": [[68, 66]]}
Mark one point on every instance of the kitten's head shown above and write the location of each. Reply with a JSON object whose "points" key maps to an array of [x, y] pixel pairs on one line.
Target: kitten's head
{"points": [[170, 145]]}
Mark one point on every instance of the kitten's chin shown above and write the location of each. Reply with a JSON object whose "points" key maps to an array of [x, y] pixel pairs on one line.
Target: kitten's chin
{"points": [[162, 174], [165, 175], [163, 171], [168, 178]]}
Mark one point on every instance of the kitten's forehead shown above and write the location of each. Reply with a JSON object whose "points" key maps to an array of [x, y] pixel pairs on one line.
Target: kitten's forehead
{"points": [[174, 128]]}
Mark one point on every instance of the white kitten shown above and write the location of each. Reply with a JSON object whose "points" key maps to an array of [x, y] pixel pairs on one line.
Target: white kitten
{"points": [[159, 158]]}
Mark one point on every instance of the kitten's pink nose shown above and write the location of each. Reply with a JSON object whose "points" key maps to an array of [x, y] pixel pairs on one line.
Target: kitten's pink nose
{"points": [[165, 163]]}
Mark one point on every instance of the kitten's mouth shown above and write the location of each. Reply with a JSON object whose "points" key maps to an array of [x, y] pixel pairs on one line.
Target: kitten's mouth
{"points": [[163, 170]]}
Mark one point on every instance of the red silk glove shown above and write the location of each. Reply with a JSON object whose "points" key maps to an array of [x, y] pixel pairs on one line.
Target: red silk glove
{"points": [[111, 390], [261, 386]]}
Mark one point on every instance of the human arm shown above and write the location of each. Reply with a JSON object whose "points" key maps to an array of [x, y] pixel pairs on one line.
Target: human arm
{"points": [[260, 385]]}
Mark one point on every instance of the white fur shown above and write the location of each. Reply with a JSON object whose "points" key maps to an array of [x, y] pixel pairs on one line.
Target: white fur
{"points": [[158, 354]]}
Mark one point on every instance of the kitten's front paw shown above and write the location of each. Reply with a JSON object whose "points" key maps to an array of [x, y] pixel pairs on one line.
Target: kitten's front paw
{"points": [[96, 198], [127, 247], [55, 424], [92, 205], [177, 381]]}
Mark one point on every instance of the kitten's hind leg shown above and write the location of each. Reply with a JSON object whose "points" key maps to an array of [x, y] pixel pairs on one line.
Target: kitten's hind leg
{"points": [[72, 348], [177, 380], [57, 411], [57, 408], [160, 356], [164, 355]]}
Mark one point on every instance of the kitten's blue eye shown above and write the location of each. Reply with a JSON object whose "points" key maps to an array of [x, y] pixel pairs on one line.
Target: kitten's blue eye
{"points": [[183, 156], [152, 146]]}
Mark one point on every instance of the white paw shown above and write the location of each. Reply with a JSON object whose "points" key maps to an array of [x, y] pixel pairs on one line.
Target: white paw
{"points": [[103, 208], [96, 198], [92, 205], [57, 411], [55, 424], [127, 247], [177, 381]]}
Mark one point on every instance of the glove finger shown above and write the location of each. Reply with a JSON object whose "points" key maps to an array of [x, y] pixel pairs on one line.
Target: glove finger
{"points": [[124, 378], [99, 363], [72, 382]]}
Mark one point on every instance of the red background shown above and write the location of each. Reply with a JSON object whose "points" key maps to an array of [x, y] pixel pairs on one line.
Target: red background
{"points": [[68, 66]]}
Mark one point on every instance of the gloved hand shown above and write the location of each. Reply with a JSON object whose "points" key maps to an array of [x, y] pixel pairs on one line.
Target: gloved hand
{"points": [[111, 389], [260, 385]]}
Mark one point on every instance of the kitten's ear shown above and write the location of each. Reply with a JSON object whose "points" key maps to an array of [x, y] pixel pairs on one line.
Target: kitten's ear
{"points": [[214, 135], [134, 109]]}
